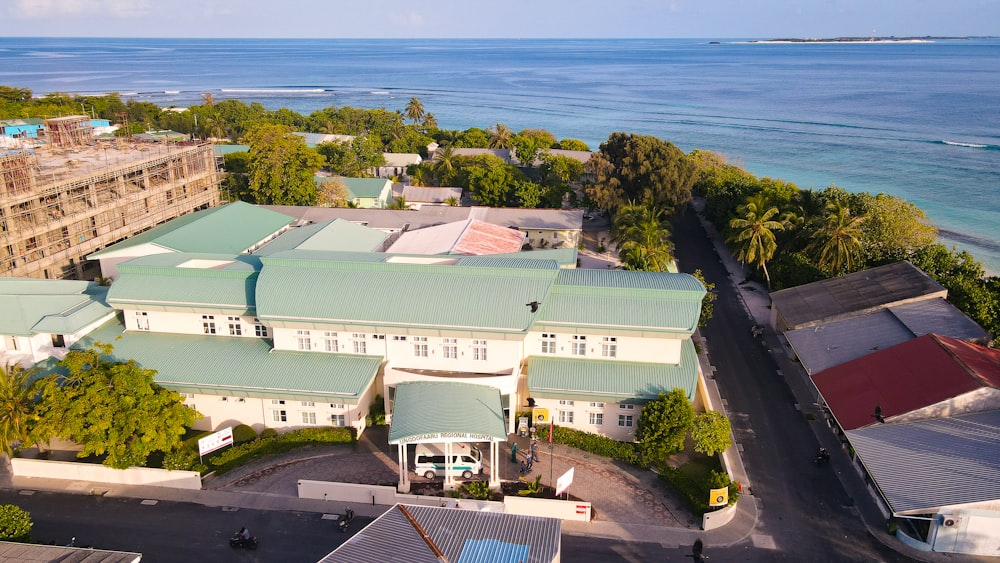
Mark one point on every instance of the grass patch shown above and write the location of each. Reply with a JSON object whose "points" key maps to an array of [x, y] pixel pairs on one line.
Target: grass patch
{"points": [[695, 479]]}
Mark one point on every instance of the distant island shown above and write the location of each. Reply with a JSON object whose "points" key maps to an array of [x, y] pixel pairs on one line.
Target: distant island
{"points": [[870, 39]]}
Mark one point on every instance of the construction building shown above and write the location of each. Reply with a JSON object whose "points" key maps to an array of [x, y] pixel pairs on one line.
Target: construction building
{"points": [[75, 195]]}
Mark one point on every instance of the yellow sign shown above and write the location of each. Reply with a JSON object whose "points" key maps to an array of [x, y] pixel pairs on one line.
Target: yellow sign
{"points": [[718, 497], [538, 414]]}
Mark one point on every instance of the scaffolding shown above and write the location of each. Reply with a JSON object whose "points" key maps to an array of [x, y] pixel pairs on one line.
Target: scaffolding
{"points": [[61, 204], [70, 131]]}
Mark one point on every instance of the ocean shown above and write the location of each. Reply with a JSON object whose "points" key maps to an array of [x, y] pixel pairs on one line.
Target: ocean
{"points": [[916, 120]]}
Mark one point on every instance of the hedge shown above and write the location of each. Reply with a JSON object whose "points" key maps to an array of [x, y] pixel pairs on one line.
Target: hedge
{"points": [[603, 446], [242, 453], [696, 490], [15, 524]]}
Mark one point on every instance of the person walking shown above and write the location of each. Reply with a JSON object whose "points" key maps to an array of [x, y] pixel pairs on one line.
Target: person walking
{"points": [[534, 450]]}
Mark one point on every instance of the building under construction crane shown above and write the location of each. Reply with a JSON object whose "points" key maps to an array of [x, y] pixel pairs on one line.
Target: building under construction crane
{"points": [[75, 195]]}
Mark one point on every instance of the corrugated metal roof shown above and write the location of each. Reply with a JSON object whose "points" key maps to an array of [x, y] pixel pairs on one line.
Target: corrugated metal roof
{"points": [[422, 194], [470, 237], [925, 465], [391, 294], [28, 553], [906, 377], [238, 364], [610, 380], [464, 536], [229, 149], [824, 346], [230, 229], [50, 306], [366, 187], [853, 294], [162, 280], [434, 407], [336, 235], [939, 316]]}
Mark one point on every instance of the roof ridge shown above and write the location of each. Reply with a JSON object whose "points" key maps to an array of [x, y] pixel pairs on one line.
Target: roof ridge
{"points": [[940, 341]]}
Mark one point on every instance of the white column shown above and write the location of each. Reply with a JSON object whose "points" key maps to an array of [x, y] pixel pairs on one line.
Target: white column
{"points": [[449, 478], [494, 468], [404, 485]]}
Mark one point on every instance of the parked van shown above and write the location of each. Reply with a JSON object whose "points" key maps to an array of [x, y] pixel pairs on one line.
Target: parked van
{"points": [[466, 460]]}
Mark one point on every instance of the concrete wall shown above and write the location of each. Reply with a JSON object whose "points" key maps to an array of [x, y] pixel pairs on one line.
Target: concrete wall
{"points": [[562, 509], [629, 348], [187, 323], [100, 474], [581, 417], [375, 494], [721, 517]]}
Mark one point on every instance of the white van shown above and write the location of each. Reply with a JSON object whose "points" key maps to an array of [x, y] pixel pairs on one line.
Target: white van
{"points": [[466, 460]]}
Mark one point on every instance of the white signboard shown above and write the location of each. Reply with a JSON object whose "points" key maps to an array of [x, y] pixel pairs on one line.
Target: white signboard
{"points": [[564, 481], [213, 442]]}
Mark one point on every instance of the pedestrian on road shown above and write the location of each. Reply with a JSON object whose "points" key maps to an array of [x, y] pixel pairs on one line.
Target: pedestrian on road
{"points": [[513, 453], [534, 450]]}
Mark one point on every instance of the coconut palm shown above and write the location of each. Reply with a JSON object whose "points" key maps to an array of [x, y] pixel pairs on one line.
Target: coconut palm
{"points": [[16, 405], [643, 238], [501, 137], [445, 161], [429, 121], [207, 99], [754, 229], [398, 203], [836, 244], [414, 110]]}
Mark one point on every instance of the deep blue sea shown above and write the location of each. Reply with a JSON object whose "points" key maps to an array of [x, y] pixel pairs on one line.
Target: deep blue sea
{"points": [[916, 120]]}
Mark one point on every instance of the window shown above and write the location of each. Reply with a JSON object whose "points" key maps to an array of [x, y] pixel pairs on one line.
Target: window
{"points": [[191, 406], [338, 420], [259, 329], [208, 324], [420, 346], [277, 401], [625, 420], [359, 343], [566, 417], [609, 346], [479, 350], [330, 343], [141, 320], [399, 338], [308, 418], [596, 405], [340, 406], [579, 345], [626, 407], [308, 403], [303, 341], [548, 343], [449, 348], [279, 415], [235, 328], [566, 403], [595, 418]]}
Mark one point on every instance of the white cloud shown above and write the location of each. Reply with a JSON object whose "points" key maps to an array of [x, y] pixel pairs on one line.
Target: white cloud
{"points": [[57, 9]]}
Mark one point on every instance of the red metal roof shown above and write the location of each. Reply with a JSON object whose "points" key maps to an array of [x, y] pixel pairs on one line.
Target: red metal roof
{"points": [[906, 377], [481, 238]]}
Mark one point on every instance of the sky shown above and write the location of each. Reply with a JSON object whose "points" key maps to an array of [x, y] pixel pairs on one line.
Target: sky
{"points": [[723, 19]]}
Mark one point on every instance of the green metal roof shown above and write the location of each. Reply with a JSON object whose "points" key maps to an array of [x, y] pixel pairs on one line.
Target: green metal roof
{"points": [[164, 280], [229, 149], [432, 411], [239, 366], [50, 306], [625, 300], [396, 294], [366, 187], [335, 235], [609, 380], [229, 229]]}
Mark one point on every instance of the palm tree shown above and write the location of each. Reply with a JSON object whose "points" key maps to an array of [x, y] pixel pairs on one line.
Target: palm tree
{"points": [[445, 160], [414, 110], [754, 233], [836, 244], [429, 121], [643, 238], [501, 137], [16, 405], [452, 201], [398, 203], [207, 99]]}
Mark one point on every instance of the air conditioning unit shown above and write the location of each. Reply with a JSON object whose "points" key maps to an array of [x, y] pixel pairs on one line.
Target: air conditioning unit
{"points": [[950, 521], [539, 415]]}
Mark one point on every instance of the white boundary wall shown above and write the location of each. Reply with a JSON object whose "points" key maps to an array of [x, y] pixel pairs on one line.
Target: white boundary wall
{"points": [[100, 474], [552, 508]]}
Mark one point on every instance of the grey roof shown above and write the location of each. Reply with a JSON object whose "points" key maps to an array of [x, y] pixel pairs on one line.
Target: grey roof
{"points": [[854, 294], [464, 536], [31, 553], [432, 215], [415, 194], [428, 409], [830, 344], [925, 465]]}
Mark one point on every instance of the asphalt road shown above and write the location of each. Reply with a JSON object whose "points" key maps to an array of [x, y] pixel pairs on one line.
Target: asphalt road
{"points": [[171, 532], [804, 509]]}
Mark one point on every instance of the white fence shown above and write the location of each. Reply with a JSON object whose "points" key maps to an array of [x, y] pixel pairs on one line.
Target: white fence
{"points": [[100, 474]]}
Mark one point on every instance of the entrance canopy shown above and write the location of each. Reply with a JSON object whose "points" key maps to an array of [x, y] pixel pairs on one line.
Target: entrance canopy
{"points": [[431, 411]]}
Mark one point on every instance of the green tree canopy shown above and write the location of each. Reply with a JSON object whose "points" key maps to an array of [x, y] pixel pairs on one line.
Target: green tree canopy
{"points": [[111, 408], [236, 182], [663, 425], [500, 137], [707, 302], [15, 524], [710, 431], [641, 233], [572, 145], [641, 169], [333, 193], [353, 159], [17, 395], [836, 246], [753, 233], [281, 167], [414, 110]]}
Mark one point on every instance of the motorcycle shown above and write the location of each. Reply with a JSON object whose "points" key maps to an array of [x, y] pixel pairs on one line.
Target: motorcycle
{"points": [[822, 457], [345, 519], [237, 541]]}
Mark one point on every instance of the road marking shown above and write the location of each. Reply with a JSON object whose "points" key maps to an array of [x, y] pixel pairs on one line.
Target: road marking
{"points": [[762, 541], [149, 502], [26, 492], [329, 517]]}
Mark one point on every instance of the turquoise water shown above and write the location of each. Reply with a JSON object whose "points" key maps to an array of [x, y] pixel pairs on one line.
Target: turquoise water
{"points": [[917, 120]]}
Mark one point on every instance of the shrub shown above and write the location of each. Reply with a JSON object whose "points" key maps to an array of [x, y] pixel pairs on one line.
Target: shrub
{"points": [[180, 459], [533, 489], [268, 433], [242, 453], [479, 490], [595, 444], [15, 524], [376, 412], [695, 487], [243, 433]]}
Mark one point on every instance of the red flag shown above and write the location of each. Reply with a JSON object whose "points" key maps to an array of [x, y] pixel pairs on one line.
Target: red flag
{"points": [[551, 425]]}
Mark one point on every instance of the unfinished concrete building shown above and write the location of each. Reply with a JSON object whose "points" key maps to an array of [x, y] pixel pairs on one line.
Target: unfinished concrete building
{"points": [[74, 196]]}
